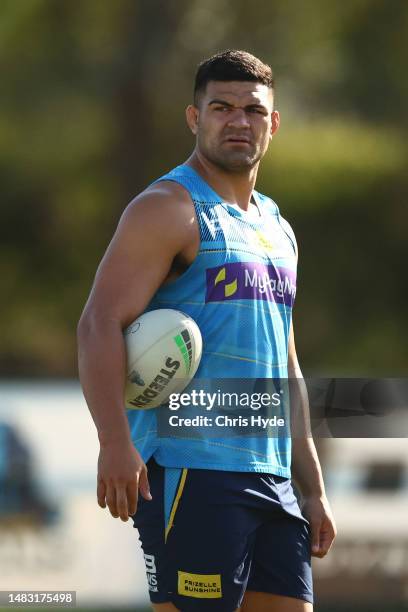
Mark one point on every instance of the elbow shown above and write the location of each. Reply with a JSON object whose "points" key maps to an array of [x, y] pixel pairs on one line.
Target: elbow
{"points": [[83, 328], [89, 324], [93, 324], [294, 370]]}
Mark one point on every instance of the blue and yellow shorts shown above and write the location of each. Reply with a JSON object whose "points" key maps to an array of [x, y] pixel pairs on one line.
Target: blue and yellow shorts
{"points": [[208, 536]]}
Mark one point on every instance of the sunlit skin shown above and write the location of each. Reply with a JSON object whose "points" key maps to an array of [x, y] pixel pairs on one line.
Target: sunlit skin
{"points": [[233, 122]]}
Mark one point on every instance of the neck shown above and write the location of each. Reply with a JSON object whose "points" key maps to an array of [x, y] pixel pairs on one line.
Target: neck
{"points": [[233, 187]]}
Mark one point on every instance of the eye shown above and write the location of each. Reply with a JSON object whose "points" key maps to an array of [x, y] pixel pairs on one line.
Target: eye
{"points": [[257, 111]]}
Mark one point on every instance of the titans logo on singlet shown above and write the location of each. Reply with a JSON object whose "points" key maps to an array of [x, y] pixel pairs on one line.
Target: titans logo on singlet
{"points": [[240, 290]]}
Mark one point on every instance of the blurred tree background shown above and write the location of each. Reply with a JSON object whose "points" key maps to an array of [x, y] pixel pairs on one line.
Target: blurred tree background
{"points": [[92, 110]]}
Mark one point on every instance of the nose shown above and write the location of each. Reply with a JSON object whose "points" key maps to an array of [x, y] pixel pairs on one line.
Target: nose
{"points": [[238, 118]]}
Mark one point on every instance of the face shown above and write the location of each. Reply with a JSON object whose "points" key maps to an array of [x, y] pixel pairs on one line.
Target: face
{"points": [[234, 123]]}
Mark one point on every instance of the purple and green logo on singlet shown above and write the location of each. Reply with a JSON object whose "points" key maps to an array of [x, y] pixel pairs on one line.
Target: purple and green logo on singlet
{"points": [[251, 281]]}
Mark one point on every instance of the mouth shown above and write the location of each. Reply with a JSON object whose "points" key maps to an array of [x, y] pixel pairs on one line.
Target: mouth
{"points": [[238, 140]]}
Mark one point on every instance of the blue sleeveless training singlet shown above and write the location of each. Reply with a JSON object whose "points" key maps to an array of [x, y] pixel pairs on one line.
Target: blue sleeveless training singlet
{"points": [[240, 291]]}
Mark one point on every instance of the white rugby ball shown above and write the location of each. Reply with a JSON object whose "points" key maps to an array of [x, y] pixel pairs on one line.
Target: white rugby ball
{"points": [[163, 349]]}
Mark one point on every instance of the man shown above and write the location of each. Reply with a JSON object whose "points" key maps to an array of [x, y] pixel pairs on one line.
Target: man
{"points": [[222, 530]]}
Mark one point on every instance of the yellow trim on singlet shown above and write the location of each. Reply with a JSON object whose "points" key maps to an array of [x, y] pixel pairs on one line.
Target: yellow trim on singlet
{"points": [[176, 502]]}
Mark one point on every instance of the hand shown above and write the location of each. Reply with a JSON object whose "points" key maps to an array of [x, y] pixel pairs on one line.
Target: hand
{"points": [[121, 474], [323, 528]]}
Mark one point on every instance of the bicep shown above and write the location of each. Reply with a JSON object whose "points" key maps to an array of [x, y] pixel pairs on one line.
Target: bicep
{"points": [[137, 260]]}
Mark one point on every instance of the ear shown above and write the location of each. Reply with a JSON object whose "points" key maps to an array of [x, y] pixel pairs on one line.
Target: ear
{"points": [[192, 113], [275, 122]]}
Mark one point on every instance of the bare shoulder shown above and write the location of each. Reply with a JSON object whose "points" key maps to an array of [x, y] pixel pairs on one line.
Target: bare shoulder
{"points": [[157, 228], [165, 204], [168, 190]]}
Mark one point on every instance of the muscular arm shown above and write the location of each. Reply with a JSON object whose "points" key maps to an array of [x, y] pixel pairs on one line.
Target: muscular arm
{"points": [[154, 229], [306, 468]]}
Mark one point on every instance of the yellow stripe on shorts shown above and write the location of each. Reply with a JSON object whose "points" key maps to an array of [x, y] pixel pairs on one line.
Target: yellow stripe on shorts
{"points": [[176, 502]]}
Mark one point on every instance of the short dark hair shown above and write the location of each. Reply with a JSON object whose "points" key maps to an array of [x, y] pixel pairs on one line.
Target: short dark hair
{"points": [[231, 65]]}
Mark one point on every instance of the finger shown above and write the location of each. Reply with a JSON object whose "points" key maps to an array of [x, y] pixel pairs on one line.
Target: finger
{"points": [[315, 537], [326, 541], [101, 493], [111, 500], [322, 551], [121, 503], [144, 485], [132, 491]]}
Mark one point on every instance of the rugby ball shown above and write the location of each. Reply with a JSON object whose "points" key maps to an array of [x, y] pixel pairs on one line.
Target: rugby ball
{"points": [[163, 350]]}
